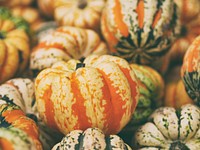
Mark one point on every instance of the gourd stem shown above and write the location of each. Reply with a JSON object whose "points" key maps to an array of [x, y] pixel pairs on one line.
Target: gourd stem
{"points": [[177, 145], [82, 4], [80, 65]]}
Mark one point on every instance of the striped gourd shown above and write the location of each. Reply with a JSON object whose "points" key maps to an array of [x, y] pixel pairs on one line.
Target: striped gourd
{"points": [[91, 138], [14, 124], [140, 30], [102, 94], [14, 45], [66, 43], [170, 129], [190, 71]]}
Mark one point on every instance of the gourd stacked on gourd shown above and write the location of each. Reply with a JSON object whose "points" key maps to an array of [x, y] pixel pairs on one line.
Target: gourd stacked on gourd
{"points": [[190, 28], [79, 13], [102, 94], [190, 71], [138, 30], [16, 130], [171, 129], [175, 93], [91, 138], [66, 43], [14, 57]]}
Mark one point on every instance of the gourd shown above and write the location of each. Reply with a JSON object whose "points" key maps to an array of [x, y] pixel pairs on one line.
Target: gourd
{"points": [[190, 71], [12, 3], [17, 131], [140, 31], [102, 94], [175, 93], [190, 29], [171, 129], [91, 138], [65, 43], [46, 7], [79, 13], [14, 57]]}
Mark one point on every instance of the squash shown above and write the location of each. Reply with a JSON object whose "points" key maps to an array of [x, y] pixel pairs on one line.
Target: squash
{"points": [[190, 29], [171, 129], [190, 71], [189, 9], [20, 91], [12, 3], [102, 94], [14, 57], [175, 93], [79, 13], [64, 44], [91, 138], [15, 125], [30, 14], [46, 7], [140, 31]]}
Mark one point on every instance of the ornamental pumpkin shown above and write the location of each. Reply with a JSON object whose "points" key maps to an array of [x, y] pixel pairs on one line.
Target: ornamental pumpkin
{"points": [[189, 9], [190, 29], [46, 7], [17, 131], [30, 14], [19, 91], [64, 44], [138, 30], [14, 56], [91, 138], [171, 129], [190, 71], [79, 13], [102, 94], [12, 3], [175, 93]]}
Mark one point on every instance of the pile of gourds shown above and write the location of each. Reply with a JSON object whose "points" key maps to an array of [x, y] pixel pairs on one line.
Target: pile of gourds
{"points": [[99, 74]]}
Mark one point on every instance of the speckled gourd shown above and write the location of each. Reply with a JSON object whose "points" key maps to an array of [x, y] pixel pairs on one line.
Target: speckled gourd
{"points": [[140, 31], [102, 94], [170, 129]]}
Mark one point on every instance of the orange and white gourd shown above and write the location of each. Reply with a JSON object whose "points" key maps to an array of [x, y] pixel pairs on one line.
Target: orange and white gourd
{"points": [[103, 94], [138, 30], [79, 13], [64, 44], [14, 45]]}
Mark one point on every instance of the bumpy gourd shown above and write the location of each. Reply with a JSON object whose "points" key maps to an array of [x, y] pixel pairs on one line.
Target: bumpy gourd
{"points": [[138, 30], [102, 94]]}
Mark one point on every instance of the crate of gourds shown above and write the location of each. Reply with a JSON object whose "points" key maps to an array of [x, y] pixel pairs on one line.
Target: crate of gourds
{"points": [[99, 74]]}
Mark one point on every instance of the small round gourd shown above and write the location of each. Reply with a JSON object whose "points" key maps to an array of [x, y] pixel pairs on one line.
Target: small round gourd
{"points": [[91, 138]]}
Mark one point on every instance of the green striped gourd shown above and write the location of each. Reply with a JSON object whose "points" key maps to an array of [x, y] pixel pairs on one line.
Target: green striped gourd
{"points": [[171, 129], [91, 139]]}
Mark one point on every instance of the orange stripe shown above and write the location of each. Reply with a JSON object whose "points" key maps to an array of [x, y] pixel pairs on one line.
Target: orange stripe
{"points": [[157, 18], [12, 115], [118, 17], [116, 105], [49, 108], [79, 108], [5, 144], [140, 12], [133, 87], [47, 46]]}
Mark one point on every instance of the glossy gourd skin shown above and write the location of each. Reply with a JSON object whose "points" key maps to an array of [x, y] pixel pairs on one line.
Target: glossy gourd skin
{"points": [[171, 129], [91, 138], [138, 30], [102, 94], [15, 124], [66, 43], [14, 56], [79, 13], [190, 71]]}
